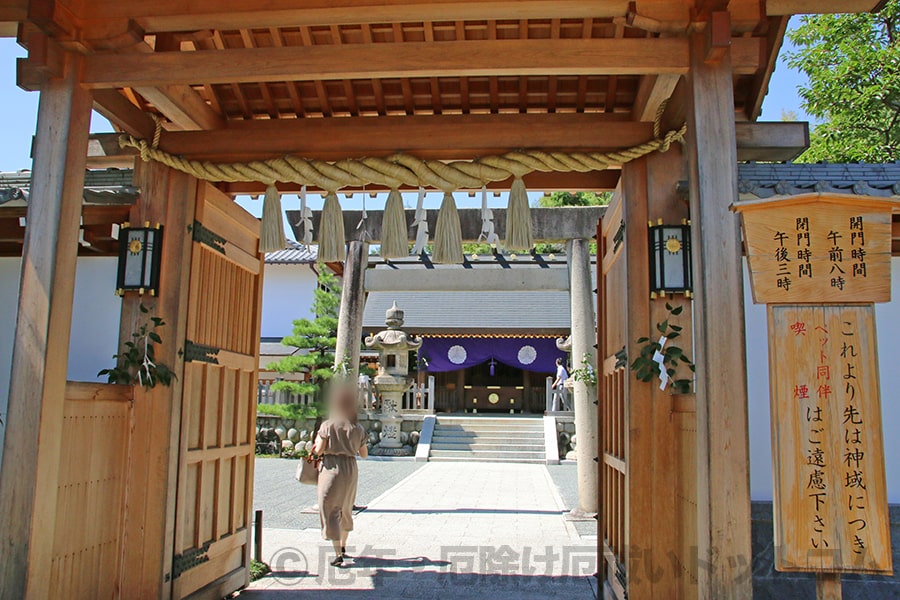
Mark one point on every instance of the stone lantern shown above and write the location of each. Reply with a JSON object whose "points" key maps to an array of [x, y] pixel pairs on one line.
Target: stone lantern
{"points": [[392, 380]]}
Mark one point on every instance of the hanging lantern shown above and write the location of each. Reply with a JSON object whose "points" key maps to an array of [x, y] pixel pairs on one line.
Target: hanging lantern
{"points": [[139, 259], [670, 259]]}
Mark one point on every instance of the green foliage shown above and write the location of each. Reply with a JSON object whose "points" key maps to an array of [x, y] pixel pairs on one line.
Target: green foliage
{"points": [[646, 369], [258, 570], [315, 339], [293, 411], [479, 249], [853, 65], [574, 199], [137, 365], [585, 373]]}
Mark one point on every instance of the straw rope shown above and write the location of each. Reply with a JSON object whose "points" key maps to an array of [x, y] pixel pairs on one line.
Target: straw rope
{"points": [[402, 169]]}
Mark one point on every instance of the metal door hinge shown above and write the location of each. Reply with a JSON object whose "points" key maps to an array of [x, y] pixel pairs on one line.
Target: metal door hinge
{"points": [[200, 353], [208, 237], [189, 559]]}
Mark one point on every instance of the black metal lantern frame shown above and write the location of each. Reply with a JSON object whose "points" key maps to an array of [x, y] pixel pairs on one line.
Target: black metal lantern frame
{"points": [[670, 260], [140, 254]]}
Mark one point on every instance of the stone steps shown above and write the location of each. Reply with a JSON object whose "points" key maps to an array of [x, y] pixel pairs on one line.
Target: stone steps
{"points": [[488, 439]]}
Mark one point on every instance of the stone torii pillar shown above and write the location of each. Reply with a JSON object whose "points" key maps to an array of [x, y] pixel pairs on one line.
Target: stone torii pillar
{"points": [[581, 343]]}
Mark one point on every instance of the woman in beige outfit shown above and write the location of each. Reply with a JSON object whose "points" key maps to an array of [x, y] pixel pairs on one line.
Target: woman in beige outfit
{"points": [[339, 440]]}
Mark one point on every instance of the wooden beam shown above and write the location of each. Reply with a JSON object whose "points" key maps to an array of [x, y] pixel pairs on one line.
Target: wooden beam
{"points": [[104, 153], [447, 137], [627, 56], [438, 137], [718, 36], [652, 92], [723, 460], [172, 15], [182, 106], [120, 111], [774, 38], [12, 12], [473, 280], [29, 475], [564, 182], [796, 7], [773, 141]]}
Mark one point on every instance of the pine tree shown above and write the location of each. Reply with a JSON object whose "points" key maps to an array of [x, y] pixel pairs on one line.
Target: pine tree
{"points": [[315, 339]]}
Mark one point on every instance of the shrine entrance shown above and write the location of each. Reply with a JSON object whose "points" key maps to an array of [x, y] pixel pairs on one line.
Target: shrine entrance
{"points": [[228, 98]]}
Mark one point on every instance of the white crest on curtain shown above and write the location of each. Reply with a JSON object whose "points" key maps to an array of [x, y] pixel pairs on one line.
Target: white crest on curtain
{"points": [[305, 220], [421, 224], [487, 221]]}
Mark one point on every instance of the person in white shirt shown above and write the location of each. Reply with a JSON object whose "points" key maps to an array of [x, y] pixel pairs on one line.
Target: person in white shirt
{"points": [[559, 390]]}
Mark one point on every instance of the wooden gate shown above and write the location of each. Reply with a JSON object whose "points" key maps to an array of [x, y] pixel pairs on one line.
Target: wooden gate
{"points": [[611, 278], [648, 466], [215, 475]]}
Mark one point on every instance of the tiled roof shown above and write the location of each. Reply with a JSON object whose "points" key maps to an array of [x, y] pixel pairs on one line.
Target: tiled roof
{"points": [[764, 180], [293, 254], [544, 312]]}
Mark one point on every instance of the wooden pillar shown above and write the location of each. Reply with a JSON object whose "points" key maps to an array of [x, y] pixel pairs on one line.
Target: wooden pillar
{"points": [[32, 446], [584, 329], [167, 197], [723, 463], [353, 302], [649, 194]]}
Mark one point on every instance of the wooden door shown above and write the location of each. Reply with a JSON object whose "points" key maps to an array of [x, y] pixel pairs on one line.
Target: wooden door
{"points": [[215, 476], [613, 418]]}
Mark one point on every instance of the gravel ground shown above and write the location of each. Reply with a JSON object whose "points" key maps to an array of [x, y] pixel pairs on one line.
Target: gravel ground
{"points": [[566, 479], [283, 500]]}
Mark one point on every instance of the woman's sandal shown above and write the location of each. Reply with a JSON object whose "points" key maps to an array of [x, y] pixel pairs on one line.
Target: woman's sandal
{"points": [[337, 561], [344, 551]]}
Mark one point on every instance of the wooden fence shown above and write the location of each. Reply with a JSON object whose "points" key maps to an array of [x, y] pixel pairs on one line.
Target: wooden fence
{"points": [[87, 539], [266, 395]]}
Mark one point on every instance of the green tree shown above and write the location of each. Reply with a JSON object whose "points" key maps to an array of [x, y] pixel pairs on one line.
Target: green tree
{"points": [[853, 65], [574, 199], [315, 340]]}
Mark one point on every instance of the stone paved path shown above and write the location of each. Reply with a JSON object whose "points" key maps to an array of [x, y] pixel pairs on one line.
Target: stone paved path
{"points": [[448, 530]]}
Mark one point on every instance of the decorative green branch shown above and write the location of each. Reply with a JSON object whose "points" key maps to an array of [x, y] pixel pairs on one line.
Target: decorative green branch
{"points": [[137, 364], [645, 368], [585, 373]]}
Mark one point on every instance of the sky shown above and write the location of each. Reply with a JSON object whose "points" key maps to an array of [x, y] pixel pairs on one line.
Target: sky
{"points": [[19, 116]]}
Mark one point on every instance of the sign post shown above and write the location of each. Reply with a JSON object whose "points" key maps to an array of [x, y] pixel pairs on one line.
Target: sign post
{"points": [[820, 262]]}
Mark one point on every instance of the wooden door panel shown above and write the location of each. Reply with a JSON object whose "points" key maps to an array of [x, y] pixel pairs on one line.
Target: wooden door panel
{"points": [[212, 537], [612, 390]]}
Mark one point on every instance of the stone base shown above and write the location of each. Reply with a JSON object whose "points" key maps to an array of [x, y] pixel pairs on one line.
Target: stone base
{"points": [[404, 451], [577, 515]]}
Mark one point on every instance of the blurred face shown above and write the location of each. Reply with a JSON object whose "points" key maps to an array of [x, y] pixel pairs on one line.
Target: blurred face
{"points": [[343, 401]]}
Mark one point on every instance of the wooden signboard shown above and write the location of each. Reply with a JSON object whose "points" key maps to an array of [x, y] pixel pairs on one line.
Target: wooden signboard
{"points": [[831, 511], [818, 248]]}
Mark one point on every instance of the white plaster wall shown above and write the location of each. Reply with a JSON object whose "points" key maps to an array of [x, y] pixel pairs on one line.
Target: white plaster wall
{"points": [[95, 320], [887, 318], [287, 296]]}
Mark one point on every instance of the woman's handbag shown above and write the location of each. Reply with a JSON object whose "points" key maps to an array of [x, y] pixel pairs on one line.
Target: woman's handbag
{"points": [[308, 470]]}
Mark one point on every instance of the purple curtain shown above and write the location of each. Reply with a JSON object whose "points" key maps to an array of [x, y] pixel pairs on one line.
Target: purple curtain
{"points": [[530, 354]]}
